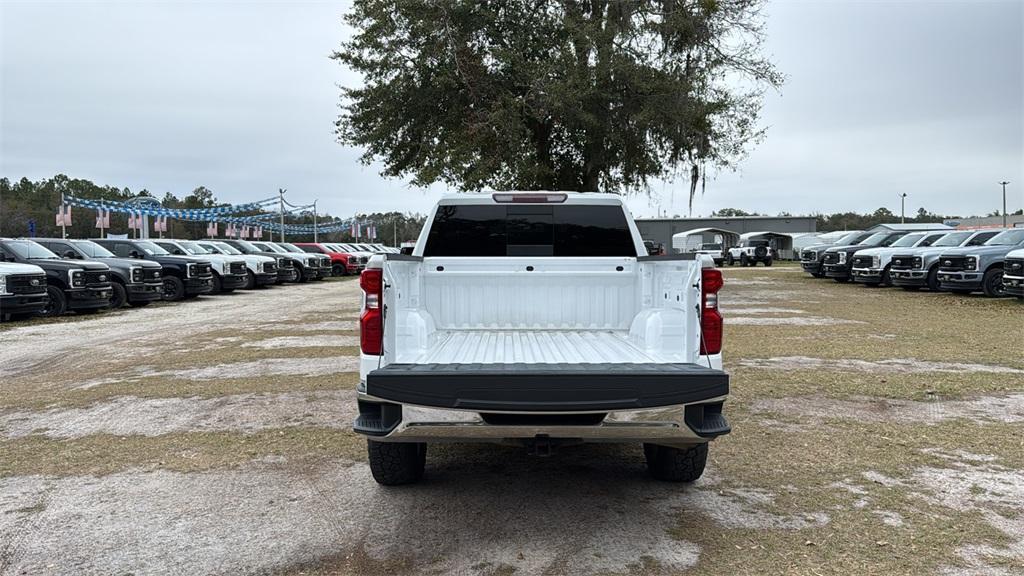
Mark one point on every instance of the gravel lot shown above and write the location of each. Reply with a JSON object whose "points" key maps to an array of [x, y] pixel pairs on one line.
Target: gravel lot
{"points": [[875, 431]]}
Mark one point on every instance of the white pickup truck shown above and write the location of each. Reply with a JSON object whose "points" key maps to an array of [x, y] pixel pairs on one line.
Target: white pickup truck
{"points": [[536, 319]]}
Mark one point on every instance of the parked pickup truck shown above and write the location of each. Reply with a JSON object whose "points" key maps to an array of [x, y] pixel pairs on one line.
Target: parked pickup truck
{"points": [[132, 281], [318, 268], [812, 257], [22, 289], [1013, 273], [79, 286], [285, 264], [837, 259], [305, 265], [342, 263], [537, 319], [259, 270], [871, 266], [183, 276], [919, 268], [965, 270], [228, 271]]}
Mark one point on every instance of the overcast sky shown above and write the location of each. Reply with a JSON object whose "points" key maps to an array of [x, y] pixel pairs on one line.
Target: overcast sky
{"points": [[882, 98]]}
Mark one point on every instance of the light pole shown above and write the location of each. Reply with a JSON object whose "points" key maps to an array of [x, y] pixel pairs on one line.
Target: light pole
{"points": [[1003, 184], [903, 203], [280, 193], [314, 223]]}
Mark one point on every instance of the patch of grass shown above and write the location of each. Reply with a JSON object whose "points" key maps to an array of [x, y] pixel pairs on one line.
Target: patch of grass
{"points": [[102, 454]]}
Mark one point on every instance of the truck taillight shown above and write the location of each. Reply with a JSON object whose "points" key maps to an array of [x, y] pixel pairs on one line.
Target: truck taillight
{"points": [[710, 318], [371, 321]]}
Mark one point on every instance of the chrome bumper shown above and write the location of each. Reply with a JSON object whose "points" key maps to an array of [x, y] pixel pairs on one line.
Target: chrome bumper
{"points": [[664, 425]]}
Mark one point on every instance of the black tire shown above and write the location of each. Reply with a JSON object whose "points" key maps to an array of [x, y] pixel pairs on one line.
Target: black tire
{"points": [[768, 262], [744, 261], [676, 464], [339, 270], [760, 252], [396, 463], [730, 260], [250, 280], [174, 289], [216, 284], [933, 279], [301, 278], [118, 297], [992, 283], [886, 278], [57, 303]]}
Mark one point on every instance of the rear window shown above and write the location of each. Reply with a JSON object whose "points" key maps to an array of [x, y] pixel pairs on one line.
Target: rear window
{"points": [[529, 230]]}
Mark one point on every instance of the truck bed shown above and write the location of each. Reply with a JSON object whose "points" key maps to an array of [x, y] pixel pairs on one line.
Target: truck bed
{"points": [[539, 347]]}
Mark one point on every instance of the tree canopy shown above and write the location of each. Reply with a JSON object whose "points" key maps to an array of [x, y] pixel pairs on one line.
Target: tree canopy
{"points": [[590, 95]]}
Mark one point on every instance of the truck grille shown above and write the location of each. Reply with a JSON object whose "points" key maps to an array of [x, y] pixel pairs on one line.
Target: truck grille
{"points": [[286, 263], [902, 262], [203, 270], [862, 262], [237, 268], [1014, 267], [831, 258], [97, 277], [810, 255], [151, 274], [363, 259], [26, 283], [269, 267], [952, 262]]}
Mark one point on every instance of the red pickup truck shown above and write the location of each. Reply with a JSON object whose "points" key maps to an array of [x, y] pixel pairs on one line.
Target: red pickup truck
{"points": [[342, 264]]}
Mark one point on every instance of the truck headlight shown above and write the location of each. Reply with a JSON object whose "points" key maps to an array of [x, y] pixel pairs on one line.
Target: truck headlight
{"points": [[876, 261], [192, 270], [77, 278], [971, 263], [313, 263], [136, 274], [918, 262], [842, 257], [3, 284], [259, 267]]}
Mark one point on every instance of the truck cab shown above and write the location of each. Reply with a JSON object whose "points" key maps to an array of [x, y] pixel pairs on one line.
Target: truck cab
{"points": [[979, 268], [229, 272], [134, 282], [22, 289], [537, 319], [259, 270], [182, 276], [871, 265], [71, 285]]}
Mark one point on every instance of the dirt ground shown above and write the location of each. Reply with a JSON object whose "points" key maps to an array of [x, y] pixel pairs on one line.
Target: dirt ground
{"points": [[875, 431]]}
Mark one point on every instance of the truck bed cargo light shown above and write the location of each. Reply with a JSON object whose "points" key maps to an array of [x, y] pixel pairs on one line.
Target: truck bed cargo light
{"points": [[530, 198]]}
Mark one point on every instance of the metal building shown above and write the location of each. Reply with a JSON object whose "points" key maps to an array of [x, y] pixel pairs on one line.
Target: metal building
{"points": [[662, 229]]}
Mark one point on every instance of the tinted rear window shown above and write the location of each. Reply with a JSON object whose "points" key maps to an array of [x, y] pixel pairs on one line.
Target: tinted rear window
{"points": [[529, 230]]}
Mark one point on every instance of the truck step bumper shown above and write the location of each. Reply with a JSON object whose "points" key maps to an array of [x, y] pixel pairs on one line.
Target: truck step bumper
{"points": [[546, 387]]}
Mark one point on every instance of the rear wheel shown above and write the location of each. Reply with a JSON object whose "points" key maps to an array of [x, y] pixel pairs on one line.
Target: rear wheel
{"points": [[118, 295], [676, 464], [992, 283], [57, 303], [397, 463], [768, 262]]}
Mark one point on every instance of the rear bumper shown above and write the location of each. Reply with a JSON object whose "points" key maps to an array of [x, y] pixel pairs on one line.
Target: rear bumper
{"points": [[23, 303], [1013, 285], [594, 402], [145, 292]]}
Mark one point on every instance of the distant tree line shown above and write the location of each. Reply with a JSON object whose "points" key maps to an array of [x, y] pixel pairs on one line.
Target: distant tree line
{"points": [[23, 202]]}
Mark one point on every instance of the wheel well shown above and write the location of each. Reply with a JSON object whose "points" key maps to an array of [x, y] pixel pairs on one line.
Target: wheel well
{"points": [[994, 265]]}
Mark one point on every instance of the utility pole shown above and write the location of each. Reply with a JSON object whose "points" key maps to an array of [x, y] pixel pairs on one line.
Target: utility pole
{"points": [[903, 203], [314, 223], [280, 192], [1003, 184]]}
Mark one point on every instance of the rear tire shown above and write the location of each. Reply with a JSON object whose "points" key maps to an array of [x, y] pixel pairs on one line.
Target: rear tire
{"points": [[676, 464], [396, 463], [58, 303], [768, 262], [992, 283]]}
